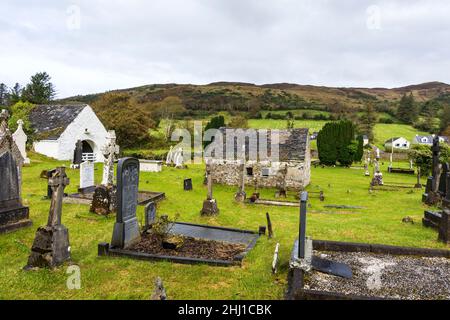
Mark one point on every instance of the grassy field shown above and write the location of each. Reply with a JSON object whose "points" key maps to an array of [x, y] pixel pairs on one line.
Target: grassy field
{"points": [[121, 278], [383, 132]]}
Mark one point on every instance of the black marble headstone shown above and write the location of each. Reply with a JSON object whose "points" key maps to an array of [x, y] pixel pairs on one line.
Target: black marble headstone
{"points": [[126, 229], [188, 185]]}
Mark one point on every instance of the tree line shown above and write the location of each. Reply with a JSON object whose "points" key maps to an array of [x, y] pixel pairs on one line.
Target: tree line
{"points": [[40, 90]]}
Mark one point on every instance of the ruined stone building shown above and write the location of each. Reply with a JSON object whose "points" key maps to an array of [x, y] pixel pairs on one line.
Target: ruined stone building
{"points": [[286, 164]]}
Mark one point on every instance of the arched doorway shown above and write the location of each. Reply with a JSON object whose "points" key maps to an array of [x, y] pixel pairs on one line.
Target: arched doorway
{"points": [[88, 150], [86, 147]]}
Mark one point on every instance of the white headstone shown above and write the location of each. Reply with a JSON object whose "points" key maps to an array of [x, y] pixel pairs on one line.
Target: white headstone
{"points": [[86, 175], [169, 158], [20, 138], [179, 160]]}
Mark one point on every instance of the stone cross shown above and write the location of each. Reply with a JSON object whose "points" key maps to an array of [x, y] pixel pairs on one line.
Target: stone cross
{"points": [[58, 183], [437, 167], [209, 179], [243, 170], [419, 184], [110, 152]]}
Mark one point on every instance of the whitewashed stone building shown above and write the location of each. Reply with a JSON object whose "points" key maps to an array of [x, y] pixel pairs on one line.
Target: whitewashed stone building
{"points": [[59, 127], [292, 169]]}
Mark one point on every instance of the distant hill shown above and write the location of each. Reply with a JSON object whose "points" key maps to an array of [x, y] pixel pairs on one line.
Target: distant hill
{"points": [[238, 96]]}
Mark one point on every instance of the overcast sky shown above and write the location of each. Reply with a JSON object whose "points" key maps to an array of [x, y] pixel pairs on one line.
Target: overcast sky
{"points": [[90, 46]]}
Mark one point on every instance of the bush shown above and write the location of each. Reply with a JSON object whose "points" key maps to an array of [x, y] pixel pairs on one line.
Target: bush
{"points": [[131, 123], [336, 143], [422, 157], [386, 120], [22, 110]]}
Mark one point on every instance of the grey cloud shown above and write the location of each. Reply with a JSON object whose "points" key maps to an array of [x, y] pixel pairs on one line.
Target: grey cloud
{"points": [[128, 43]]}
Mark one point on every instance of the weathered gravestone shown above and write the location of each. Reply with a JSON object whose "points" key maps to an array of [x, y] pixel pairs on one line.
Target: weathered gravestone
{"points": [[20, 138], [13, 215], [169, 158], [86, 177], [188, 185], [432, 195], [126, 229], [210, 204], [150, 214], [51, 244], [47, 174], [101, 201], [240, 196], [77, 155]]}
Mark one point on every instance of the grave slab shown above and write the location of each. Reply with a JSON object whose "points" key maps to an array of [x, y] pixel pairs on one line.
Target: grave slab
{"points": [[202, 232]]}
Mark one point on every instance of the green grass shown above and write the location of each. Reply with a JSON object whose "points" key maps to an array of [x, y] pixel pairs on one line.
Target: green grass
{"points": [[121, 278], [383, 132]]}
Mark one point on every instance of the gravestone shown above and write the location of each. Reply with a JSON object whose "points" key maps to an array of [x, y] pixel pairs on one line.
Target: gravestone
{"points": [[433, 196], [443, 180], [240, 196], [51, 245], [419, 183], [126, 229], [188, 185], [47, 174], [169, 158], [20, 138], [444, 227], [304, 258], [13, 215], [110, 152], [210, 204], [150, 214], [101, 201], [269, 225], [377, 179], [179, 159], [86, 177], [77, 155]]}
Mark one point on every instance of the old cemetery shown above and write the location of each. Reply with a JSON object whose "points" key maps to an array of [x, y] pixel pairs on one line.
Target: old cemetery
{"points": [[203, 242]]}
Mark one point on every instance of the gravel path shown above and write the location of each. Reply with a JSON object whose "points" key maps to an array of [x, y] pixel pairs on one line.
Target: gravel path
{"points": [[386, 276]]}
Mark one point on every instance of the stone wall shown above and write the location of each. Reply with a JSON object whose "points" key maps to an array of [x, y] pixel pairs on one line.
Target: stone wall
{"points": [[229, 173]]}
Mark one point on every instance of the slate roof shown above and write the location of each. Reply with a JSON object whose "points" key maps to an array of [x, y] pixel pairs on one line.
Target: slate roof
{"points": [[390, 140], [430, 139], [51, 120], [293, 145]]}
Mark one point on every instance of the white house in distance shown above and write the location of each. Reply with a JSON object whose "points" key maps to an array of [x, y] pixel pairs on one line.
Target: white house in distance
{"points": [[59, 127], [399, 143], [428, 140]]}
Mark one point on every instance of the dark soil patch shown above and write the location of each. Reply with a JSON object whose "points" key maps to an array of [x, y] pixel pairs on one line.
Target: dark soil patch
{"points": [[191, 248]]}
